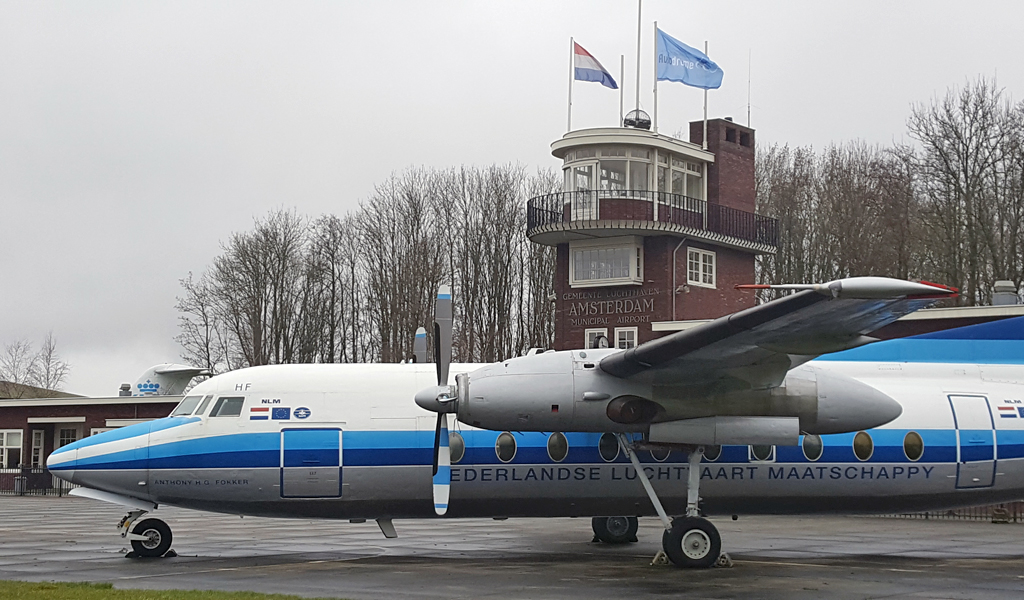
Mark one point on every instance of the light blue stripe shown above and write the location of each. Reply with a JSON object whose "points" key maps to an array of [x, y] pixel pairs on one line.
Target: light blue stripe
{"points": [[128, 432], [990, 352]]}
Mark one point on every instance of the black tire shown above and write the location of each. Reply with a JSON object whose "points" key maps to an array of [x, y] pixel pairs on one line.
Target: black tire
{"points": [[159, 535], [615, 530], [692, 543]]}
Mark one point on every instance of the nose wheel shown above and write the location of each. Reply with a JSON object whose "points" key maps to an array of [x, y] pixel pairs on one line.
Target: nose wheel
{"points": [[152, 538]]}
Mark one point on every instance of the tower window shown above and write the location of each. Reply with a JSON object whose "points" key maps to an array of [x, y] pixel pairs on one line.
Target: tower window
{"points": [[745, 138], [730, 135], [700, 268], [615, 261]]}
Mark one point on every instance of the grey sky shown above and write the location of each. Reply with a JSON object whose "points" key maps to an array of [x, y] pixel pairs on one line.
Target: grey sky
{"points": [[134, 136]]}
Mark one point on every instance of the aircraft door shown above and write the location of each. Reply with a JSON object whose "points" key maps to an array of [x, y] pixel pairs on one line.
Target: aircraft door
{"points": [[975, 437], [311, 461]]}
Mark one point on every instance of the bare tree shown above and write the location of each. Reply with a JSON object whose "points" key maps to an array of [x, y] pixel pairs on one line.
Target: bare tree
{"points": [[48, 370]]}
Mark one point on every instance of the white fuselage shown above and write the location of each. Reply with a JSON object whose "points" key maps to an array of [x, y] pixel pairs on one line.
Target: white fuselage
{"points": [[347, 441]]}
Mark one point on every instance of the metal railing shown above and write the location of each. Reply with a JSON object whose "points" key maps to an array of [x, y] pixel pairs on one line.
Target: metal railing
{"points": [[1007, 512], [32, 481], [644, 205]]}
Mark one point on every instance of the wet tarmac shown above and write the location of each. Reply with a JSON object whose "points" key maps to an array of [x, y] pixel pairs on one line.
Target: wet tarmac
{"points": [[73, 539]]}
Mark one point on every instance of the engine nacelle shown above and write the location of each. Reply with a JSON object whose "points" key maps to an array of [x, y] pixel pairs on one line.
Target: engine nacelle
{"points": [[567, 391]]}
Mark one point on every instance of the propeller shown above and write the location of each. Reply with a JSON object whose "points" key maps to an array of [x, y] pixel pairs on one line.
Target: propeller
{"points": [[442, 398], [419, 346]]}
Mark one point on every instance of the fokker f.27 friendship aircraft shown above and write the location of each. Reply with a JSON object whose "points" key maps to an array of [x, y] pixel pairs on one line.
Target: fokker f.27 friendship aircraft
{"points": [[732, 416]]}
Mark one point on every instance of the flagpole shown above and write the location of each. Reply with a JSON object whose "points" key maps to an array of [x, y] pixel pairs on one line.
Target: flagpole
{"points": [[639, 12], [622, 81], [655, 77], [748, 86], [705, 144], [572, 51]]}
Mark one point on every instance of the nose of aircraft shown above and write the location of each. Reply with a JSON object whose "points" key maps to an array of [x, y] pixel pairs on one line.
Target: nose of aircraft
{"points": [[62, 461]]}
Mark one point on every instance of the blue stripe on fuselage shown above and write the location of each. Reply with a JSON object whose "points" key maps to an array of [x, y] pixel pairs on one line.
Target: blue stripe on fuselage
{"points": [[996, 342], [383, 448]]}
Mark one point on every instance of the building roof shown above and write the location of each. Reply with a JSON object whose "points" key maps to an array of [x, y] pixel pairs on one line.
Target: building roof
{"points": [[87, 401], [10, 389]]}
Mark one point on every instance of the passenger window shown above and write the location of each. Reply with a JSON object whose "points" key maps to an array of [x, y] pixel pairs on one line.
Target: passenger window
{"points": [[202, 407], [186, 406], [228, 407]]}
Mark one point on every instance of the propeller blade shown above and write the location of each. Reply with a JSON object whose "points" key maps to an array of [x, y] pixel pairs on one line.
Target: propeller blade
{"points": [[419, 346], [442, 466], [443, 333]]}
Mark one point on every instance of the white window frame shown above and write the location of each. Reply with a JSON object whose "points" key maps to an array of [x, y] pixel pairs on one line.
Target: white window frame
{"points": [[38, 443], [599, 331], [620, 330], [636, 261], [96, 430], [61, 426], [4, 447], [701, 255]]}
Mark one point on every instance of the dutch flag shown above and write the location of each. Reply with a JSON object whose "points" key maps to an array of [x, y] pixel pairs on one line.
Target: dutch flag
{"points": [[588, 69]]}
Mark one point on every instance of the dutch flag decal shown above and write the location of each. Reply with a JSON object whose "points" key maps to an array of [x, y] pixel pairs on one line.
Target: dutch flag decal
{"points": [[259, 413]]}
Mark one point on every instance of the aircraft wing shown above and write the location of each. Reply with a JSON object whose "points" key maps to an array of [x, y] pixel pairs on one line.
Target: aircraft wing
{"points": [[756, 347]]}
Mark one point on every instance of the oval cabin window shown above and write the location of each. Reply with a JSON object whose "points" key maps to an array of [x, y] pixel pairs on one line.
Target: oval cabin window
{"points": [[660, 453], [761, 453], [812, 447], [863, 447], [505, 447], [558, 447], [456, 446], [608, 447], [913, 445], [711, 453]]}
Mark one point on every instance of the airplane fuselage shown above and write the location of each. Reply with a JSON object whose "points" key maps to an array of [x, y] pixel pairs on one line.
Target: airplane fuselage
{"points": [[347, 442]]}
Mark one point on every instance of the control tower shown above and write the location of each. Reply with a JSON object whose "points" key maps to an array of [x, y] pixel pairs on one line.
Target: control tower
{"points": [[652, 232]]}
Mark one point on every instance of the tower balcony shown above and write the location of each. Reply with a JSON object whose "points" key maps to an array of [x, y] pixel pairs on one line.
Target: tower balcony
{"points": [[563, 217]]}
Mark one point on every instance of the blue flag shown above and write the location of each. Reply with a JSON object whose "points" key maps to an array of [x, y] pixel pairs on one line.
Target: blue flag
{"points": [[683, 64]]}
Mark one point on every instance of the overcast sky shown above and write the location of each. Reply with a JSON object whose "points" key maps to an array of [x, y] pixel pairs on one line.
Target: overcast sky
{"points": [[135, 136]]}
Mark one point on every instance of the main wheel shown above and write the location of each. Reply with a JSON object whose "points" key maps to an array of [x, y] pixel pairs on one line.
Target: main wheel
{"points": [[692, 543], [158, 538], [615, 530]]}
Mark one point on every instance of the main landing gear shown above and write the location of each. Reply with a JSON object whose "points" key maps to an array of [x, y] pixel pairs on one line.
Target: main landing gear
{"points": [[150, 538], [690, 541], [614, 530]]}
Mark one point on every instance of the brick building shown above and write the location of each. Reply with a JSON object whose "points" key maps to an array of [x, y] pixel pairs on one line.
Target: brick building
{"points": [[652, 232]]}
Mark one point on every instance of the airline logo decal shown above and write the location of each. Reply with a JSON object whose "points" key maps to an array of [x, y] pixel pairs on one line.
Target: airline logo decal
{"points": [[1015, 407], [302, 412]]}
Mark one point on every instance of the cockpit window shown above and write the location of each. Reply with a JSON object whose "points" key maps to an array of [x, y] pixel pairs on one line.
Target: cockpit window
{"points": [[202, 407], [230, 406], [186, 406]]}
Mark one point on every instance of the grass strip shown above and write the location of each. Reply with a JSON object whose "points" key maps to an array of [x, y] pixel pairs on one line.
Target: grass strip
{"points": [[24, 590]]}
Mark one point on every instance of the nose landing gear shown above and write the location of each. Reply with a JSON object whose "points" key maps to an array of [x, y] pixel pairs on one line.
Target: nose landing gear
{"points": [[150, 538], [157, 538], [690, 541]]}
